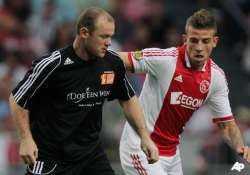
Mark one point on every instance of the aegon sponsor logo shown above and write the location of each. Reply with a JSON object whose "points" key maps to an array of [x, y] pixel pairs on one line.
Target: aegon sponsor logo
{"points": [[178, 98], [88, 94]]}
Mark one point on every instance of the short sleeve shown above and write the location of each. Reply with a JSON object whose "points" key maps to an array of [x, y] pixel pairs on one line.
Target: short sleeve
{"points": [[41, 69], [218, 100], [151, 60], [121, 88]]}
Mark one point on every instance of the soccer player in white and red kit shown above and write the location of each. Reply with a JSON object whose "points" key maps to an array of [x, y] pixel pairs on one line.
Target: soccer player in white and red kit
{"points": [[179, 80]]}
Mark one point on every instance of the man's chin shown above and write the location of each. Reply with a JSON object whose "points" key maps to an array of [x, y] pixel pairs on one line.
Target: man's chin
{"points": [[101, 55]]}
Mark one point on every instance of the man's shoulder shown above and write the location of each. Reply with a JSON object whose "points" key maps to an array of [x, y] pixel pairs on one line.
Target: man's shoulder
{"points": [[63, 55], [113, 58], [65, 51], [217, 69], [112, 54], [171, 52], [218, 76], [48, 58]]}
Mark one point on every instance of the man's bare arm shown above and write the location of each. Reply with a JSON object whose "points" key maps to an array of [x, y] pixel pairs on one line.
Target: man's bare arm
{"points": [[136, 119], [124, 57], [28, 149], [232, 136]]}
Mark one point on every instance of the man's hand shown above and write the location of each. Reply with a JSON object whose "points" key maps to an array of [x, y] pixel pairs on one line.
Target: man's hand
{"points": [[28, 151], [149, 149], [135, 117], [232, 136], [244, 151]]}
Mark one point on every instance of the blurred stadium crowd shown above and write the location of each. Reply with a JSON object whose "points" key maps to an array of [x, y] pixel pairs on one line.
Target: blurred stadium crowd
{"points": [[30, 28]]}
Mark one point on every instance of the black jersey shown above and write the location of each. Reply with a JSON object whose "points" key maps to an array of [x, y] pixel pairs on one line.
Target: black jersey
{"points": [[64, 96]]}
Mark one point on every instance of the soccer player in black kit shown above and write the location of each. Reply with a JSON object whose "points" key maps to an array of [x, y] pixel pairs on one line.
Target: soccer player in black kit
{"points": [[57, 107]]}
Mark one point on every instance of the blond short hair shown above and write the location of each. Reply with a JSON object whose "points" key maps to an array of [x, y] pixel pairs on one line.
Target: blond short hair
{"points": [[202, 19]]}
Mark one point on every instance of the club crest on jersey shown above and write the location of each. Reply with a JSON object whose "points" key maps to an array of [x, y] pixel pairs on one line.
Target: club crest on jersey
{"points": [[138, 55], [107, 77], [204, 86]]}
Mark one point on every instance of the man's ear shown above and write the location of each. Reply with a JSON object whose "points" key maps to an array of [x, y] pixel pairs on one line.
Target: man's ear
{"points": [[184, 38], [216, 40], [84, 32]]}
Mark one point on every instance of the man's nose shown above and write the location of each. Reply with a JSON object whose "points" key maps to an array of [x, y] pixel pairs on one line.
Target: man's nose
{"points": [[108, 42], [199, 46]]}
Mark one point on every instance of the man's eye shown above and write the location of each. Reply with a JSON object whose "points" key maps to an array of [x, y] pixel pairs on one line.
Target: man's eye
{"points": [[104, 36], [193, 40], [206, 41]]}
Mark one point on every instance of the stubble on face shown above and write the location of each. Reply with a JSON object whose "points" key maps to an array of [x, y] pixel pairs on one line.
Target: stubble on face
{"points": [[100, 39], [199, 43]]}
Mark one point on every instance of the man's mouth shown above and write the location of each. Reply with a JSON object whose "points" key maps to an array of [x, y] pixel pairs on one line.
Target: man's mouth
{"points": [[199, 56]]}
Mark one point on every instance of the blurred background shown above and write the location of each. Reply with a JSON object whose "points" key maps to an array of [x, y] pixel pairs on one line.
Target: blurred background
{"points": [[31, 28]]}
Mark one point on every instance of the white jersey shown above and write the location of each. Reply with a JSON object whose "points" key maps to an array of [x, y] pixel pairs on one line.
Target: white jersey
{"points": [[172, 92]]}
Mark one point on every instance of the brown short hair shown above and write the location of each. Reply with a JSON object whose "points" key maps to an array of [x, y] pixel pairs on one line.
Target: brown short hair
{"points": [[89, 16], [202, 19]]}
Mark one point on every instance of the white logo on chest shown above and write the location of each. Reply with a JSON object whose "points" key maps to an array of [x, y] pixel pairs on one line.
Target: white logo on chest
{"points": [[68, 61], [86, 95], [178, 98], [178, 78]]}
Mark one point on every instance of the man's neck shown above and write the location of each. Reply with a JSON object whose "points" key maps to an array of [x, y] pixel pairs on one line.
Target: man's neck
{"points": [[80, 49]]}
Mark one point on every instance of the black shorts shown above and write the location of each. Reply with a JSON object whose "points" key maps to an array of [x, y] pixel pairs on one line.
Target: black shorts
{"points": [[99, 165]]}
